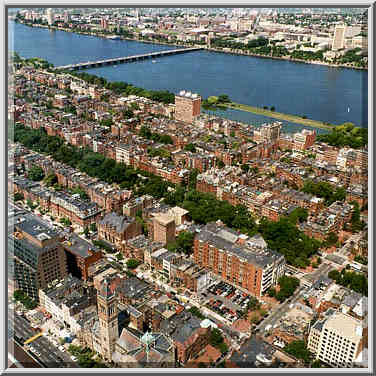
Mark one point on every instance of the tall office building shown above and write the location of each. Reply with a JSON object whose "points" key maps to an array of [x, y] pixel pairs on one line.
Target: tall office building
{"points": [[339, 37], [66, 17], [337, 340], [187, 106], [35, 253], [50, 16], [104, 23]]}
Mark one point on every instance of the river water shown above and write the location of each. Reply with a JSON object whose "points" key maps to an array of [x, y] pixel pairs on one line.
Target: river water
{"points": [[334, 95]]}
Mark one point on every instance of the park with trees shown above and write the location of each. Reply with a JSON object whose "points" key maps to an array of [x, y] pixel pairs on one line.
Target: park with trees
{"points": [[346, 135]]}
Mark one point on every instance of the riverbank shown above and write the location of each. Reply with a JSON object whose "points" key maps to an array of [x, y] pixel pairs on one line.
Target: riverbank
{"points": [[211, 49], [286, 58], [279, 116]]}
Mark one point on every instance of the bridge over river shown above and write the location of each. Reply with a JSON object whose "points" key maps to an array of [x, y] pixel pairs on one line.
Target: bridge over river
{"points": [[126, 59]]}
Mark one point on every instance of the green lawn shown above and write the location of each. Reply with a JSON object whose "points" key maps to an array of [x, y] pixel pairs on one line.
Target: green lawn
{"points": [[279, 115]]}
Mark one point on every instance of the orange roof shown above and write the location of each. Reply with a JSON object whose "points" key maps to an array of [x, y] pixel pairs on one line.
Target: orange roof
{"points": [[210, 354], [241, 325]]}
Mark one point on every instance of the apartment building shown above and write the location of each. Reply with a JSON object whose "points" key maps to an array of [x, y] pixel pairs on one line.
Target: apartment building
{"points": [[268, 133], [80, 255], [247, 263], [187, 106], [79, 211], [164, 228], [339, 37]]}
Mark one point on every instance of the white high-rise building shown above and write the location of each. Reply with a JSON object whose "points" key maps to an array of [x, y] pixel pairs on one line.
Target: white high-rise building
{"points": [[339, 37], [66, 17], [50, 16], [337, 340]]}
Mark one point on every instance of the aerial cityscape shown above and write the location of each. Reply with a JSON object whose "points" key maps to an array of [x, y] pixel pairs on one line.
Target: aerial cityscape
{"points": [[187, 188]]}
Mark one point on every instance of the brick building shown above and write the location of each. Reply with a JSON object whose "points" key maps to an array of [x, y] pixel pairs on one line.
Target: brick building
{"points": [[243, 262], [163, 228], [80, 255], [187, 106], [304, 139], [80, 212], [118, 229], [140, 247]]}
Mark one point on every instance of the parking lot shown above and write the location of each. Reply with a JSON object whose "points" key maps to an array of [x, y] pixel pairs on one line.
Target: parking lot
{"points": [[226, 300]]}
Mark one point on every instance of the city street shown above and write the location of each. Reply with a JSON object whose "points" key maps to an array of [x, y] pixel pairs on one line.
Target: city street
{"points": [[19, 358], [50, 356], [280, 310]]}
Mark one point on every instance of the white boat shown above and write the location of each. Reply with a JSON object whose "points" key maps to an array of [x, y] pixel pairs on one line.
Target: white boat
{"points": [[154, 61], [348, 109]]}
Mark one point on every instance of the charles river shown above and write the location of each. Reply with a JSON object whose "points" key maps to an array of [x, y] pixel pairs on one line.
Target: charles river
{"points": [[319, 92]]}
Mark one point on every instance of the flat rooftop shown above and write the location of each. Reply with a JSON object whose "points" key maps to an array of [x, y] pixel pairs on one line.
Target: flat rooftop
{"points": [[79, 246], [35, 227]]}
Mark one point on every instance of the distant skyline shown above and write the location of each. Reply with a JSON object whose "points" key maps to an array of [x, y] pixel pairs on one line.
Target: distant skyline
{"points": [[194, 9]]}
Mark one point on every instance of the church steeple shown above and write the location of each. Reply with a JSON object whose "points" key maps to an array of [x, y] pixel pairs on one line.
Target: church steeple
{"points": [[108, 317], [147, 339]]}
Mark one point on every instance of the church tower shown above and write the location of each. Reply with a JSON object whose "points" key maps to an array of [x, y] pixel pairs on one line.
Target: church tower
{"points": [[108, 318]]}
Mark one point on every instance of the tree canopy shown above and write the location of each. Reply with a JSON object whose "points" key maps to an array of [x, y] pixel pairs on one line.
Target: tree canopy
{"points": [[287, 285], [353, 280], [346, 135], [133, 263], [35, 173], [284, 237], [22, 297], [216, 340], [299, 350], [324, 190], [146, 133], [126, 89], [183, 243]]}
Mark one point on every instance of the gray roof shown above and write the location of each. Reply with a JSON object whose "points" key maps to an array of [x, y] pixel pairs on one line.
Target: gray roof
{"points": [[224, 238], [246, 356], [35, 227], [79, 246], [180, 327], [133, 287], [318, 325], [119, 222], [132, 311], [132, 342], [351, 299]]}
